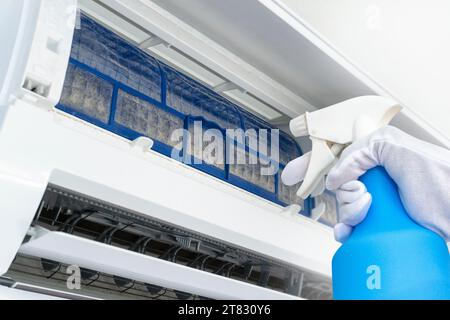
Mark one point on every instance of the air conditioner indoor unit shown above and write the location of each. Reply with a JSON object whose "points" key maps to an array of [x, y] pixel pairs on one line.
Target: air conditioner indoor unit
{"points": [[90, 94]]}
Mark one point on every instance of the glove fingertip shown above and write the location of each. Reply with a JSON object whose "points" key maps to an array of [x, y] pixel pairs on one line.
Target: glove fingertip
{"points": [[342, 232], [289, 176], [354, 185], [331, 182], [355, 212], [295, 170], [368, 202]]}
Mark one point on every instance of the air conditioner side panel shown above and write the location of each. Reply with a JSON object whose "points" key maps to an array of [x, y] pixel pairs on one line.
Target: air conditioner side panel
{"points": [[36, 37], [18, 20]]}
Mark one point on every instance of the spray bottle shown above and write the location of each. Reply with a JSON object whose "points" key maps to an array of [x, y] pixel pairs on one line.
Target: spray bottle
{"points": [[388, 255]]}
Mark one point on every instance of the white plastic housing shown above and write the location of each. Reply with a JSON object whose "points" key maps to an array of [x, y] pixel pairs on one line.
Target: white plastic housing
{"points": [[36, 37], [36, 49]]}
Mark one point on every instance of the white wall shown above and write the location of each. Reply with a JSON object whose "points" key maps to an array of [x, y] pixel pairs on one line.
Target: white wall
{"points": [[404, 45]]}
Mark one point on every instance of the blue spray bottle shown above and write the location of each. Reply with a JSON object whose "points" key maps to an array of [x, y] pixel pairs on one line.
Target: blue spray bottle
{"points": [[388, 255]]}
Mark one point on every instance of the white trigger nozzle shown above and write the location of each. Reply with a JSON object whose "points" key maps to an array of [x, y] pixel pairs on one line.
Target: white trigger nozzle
{"points": [[298, 126], [332, 128]]}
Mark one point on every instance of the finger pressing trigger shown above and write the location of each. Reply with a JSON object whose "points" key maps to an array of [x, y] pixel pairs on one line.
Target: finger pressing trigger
{"points": [[342, 232], [350, 167], [295, 170], [354, 212], [350, 192]]}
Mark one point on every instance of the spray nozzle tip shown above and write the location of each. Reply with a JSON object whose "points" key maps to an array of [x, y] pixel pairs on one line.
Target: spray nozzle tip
{"points": [[299, 126]]}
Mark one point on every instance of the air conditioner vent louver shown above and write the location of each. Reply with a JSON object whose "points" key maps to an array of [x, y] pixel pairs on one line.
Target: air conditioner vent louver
{"points": [[104, 286], [81, 216]]}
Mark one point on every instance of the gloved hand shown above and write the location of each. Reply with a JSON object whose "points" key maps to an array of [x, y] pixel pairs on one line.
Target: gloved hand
{"points": [[420, 170]]}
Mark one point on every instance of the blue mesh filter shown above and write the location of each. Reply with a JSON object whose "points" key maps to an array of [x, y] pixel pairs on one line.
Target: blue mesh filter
{"points": [[143, 117], [211, 152], [252, 172], [120, 88], [288, 194], [87, 93], [251, 122], [289, 150], [191, 98], [104, 51], [253, 125]]}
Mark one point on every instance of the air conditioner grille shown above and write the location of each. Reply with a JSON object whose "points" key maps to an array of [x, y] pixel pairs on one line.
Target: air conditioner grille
{"points": [[80, 215]]}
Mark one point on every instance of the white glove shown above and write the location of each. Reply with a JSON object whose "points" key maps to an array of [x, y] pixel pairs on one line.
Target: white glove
{"points": [[420, 170]]}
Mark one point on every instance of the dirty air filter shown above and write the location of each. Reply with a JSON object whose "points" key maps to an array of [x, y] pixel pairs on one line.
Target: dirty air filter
{"points": [[119, 87]]}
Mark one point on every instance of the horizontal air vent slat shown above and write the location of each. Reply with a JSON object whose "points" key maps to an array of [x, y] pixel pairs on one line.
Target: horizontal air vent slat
{"points": [[85, 253]]}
